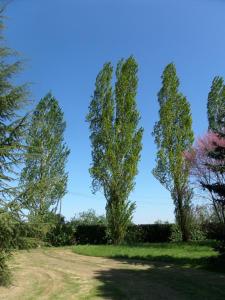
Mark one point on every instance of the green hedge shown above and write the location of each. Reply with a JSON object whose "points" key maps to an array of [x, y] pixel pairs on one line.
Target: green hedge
{"points": [[97, 234], [144, 233], [149, 233], [67, 233]]}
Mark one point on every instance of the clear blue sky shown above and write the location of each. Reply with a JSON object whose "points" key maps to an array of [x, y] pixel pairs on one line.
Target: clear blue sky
{"points": [[66, 42]]}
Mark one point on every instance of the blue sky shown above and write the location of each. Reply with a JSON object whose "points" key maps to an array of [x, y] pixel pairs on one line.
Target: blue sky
{"points": [[66, 42]]}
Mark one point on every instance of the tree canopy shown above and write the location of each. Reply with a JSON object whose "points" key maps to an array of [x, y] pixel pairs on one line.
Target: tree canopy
{"points": [[44, 179], [173, 135], [116, 142]]}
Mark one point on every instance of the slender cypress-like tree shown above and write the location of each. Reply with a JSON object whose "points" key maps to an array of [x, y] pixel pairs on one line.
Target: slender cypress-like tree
{"points": [[43, 179], [116, 142], [173, 135], [216, 106]]}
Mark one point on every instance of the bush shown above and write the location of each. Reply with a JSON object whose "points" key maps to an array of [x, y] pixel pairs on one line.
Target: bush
{"points": [[86, 228], [197, 233], [5, 275], [62, 233], [176, 235], [9, 236]]}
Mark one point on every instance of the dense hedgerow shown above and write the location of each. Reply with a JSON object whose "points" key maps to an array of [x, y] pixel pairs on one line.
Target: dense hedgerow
{"points": [[146, 233]]}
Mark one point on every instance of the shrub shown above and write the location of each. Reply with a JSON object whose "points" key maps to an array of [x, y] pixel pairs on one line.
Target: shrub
{"points": [[5, 274], [196, 231], [62, 233], [86, 228], [176, 235], [9, 237]]}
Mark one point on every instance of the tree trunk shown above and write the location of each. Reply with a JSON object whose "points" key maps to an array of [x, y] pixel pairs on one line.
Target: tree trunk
{"points": [[183, 218]]}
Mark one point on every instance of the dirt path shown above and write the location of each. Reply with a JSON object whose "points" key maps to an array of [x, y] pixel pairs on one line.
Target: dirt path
{"points": [[60, 274]]}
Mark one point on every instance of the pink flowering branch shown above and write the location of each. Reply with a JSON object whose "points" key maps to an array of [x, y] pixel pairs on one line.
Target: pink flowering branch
{"points": [[206, 161]]}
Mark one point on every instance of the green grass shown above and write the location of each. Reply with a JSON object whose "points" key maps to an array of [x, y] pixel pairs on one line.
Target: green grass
{"points": [[194, 254]]}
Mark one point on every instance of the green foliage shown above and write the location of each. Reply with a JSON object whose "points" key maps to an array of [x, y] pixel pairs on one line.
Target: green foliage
{"points": [[5, 275], [146, 233], [196, 233], [173, 135], [116, 142], [62, 233], [87, 227], [10, 238], [88, 218], [119, 216], [176, 235], [40, 225], [216, 105], [44, 180], [12, 127], [12, 130], [214, 181]]}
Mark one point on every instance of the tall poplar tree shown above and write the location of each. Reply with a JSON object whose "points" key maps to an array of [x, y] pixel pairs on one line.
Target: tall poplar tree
{"points": [[216, 106], [173, 135], [43, 179], [116, 142]]}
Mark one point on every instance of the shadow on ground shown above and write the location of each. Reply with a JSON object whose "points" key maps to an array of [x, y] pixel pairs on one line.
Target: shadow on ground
{"points": [[155, 281]]}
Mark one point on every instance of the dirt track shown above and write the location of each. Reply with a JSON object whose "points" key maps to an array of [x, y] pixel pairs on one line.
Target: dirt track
{"points": [[61, 274]]}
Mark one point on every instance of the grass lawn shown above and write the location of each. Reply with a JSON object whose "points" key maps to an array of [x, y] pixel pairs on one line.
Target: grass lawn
{"points": [[193, 254]]}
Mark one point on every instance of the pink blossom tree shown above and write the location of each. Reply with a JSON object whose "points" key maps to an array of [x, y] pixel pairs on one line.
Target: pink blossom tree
{"points": [[207, 164]]}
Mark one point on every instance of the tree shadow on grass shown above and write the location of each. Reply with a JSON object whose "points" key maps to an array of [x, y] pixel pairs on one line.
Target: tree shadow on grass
{"points": [[155, 281]]}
